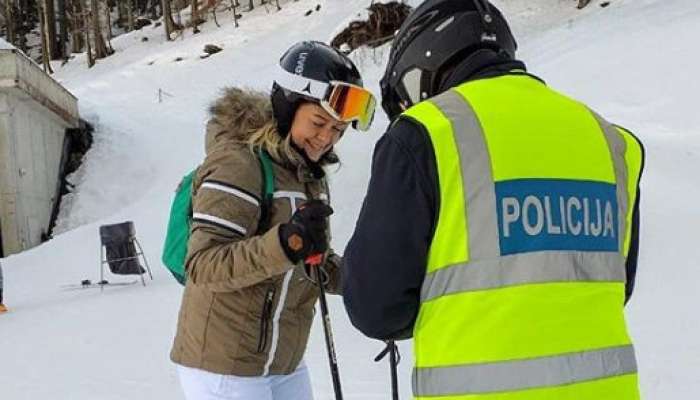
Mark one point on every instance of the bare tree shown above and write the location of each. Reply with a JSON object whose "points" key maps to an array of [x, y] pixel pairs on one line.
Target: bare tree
{"points": [[44, 47], [130, 14], [63, 28], [121, 12], [26, 18], [234, 4], [78, 22], [108, 18], [9, 15], [86, 30], [153, 8], [170, 25], [100, 46], [141, 6], [194, 18], [49, 15]]}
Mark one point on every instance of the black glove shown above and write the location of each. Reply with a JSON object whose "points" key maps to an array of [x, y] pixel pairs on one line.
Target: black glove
{"points": [[305, 233]]}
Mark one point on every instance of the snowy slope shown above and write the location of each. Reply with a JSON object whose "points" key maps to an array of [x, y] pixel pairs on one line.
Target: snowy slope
{"points": [[632, 61]]}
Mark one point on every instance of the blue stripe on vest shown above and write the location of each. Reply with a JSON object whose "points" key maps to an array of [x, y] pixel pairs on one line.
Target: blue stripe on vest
{"points": [[556, 214]]}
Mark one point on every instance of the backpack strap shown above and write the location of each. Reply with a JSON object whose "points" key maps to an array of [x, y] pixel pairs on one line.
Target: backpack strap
{"points": [[268, 190]]}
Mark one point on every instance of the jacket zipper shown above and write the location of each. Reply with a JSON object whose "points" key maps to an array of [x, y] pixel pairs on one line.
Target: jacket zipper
{"points": [[265, 319], [275, 334]]}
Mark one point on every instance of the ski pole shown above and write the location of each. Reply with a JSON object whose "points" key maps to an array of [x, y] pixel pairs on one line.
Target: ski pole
{"points": [[394, 359], [314, 262]]}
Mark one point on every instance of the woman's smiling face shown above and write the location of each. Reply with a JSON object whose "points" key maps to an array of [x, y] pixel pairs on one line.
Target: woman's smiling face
{"points": [[315, 131]]}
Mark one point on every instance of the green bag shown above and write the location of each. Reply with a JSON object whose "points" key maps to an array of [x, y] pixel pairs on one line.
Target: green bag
{"points": [[178, 234]]}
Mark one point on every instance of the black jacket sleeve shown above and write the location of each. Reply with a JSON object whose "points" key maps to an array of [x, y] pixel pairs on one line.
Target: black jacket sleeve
{"points": [[633, 253], [386, 257], [631, 264]]}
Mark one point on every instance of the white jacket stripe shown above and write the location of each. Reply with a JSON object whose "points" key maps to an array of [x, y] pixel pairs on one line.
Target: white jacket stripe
{"points": [[220, 221], [231, 190]]}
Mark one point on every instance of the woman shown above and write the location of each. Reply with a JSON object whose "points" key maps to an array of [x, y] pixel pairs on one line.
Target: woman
{"points": [[249, 301]]}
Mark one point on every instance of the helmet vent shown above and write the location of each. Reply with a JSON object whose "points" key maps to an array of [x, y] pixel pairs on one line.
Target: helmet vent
{"points": [[444, 24]]}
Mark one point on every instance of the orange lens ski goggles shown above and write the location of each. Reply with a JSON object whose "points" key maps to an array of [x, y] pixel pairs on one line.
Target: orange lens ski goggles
{"points": [[347, 102]]}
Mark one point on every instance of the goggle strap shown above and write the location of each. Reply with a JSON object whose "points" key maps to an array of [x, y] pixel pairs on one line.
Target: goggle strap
{"points": [[301, 85]]}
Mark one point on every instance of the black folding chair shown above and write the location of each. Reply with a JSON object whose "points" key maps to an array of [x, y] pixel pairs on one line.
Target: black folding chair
{"points": [[119, 245]]}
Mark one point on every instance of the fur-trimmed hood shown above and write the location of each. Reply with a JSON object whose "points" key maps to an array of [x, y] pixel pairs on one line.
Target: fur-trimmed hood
{"points": [[236, 115]]}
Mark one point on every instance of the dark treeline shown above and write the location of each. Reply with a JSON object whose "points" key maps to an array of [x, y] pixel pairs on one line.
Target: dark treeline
{"points": [[54, 29]]}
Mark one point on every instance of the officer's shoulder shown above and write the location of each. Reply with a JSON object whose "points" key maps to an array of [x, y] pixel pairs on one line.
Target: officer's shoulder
{"points": [[407, 132]]}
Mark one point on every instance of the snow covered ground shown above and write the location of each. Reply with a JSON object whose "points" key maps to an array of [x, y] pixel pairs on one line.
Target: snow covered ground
{"points": [[633, 61]]}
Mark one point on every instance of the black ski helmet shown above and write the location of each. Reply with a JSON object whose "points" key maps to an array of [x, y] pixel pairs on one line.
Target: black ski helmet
{"points": [[435, 36], [313, 60]]}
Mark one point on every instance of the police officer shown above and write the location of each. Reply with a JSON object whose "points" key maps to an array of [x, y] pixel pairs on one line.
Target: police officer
{"points": [[500, 227]]}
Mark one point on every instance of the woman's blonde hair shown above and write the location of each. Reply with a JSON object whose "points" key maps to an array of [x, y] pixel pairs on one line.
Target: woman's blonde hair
{"points": [[268, 139], [280, 148]]}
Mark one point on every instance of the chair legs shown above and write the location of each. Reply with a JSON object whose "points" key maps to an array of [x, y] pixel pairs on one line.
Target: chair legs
{"points": [[145, 261], [140, 252], [102, 266]]}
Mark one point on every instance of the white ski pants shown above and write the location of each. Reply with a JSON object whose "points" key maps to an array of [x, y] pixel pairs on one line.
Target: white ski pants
{"points": [[203, 385]]}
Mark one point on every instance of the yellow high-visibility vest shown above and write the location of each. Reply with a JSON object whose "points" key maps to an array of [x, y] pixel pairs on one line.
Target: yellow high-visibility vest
{"points": [[525, 283]]}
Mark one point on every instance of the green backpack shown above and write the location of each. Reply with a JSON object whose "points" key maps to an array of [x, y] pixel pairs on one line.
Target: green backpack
{"points": [[178, 234]]}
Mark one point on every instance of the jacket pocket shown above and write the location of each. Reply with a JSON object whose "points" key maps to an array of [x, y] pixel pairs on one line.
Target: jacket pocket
{"points": [[265, 317]]}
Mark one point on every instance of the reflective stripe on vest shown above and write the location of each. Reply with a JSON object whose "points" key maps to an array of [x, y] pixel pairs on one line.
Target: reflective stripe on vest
{"points": [[526, 268], [525, 374]]}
